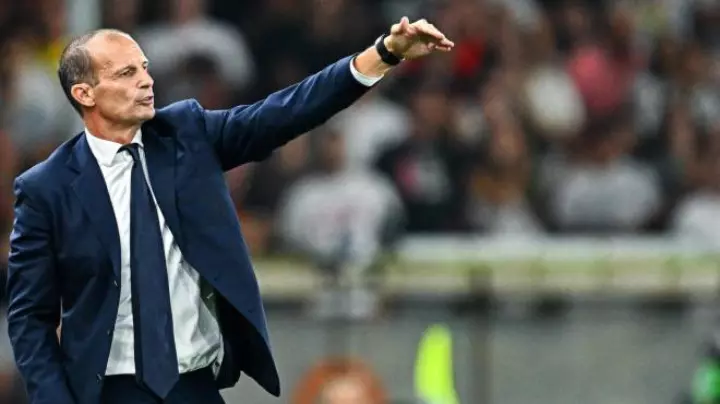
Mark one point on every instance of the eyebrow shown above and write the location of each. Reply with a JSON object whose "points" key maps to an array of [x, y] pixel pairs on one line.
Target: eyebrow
{"points": [[129, 67]]}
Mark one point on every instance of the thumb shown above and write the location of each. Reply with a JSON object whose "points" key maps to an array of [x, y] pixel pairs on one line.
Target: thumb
{"points": [[401, 27]]}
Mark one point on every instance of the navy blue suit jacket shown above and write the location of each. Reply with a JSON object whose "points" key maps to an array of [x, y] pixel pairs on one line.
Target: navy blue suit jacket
{"points": [[65, 251]]}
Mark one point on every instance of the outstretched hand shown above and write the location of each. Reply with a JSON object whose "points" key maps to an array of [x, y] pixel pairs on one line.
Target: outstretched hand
{"points": [[411, 41]]}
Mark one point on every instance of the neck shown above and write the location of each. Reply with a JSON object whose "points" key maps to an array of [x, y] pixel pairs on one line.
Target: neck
{"points": [[114, 132]]}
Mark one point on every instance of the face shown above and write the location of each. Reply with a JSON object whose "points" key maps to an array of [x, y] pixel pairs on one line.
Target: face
{"points": [[123, 93]]}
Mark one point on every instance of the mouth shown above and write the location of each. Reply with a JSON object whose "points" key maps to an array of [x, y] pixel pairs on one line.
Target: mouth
{"points": [[147, 100]]}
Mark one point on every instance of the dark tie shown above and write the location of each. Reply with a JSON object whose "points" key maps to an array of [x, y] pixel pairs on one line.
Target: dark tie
{"points": [[156, 363]]}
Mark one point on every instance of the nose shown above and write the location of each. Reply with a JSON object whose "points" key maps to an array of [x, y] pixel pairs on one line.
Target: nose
{"points": [[146, 81]]}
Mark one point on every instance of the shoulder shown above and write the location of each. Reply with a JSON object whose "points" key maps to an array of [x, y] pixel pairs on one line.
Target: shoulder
{"points": [[179, 119], [51, 172], [178, 112]]}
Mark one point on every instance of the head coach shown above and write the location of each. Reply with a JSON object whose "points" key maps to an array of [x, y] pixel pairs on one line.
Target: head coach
{"points": [[127, 232]]}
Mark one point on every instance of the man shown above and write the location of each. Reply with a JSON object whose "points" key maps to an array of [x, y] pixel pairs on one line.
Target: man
{"points": [[127, 232]]}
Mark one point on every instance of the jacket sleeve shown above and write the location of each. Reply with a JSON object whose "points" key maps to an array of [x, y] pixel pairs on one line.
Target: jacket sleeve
{"points": [[34, 303], [251, 132]]}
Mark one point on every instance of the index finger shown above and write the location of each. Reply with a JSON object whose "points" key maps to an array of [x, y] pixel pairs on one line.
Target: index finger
{"points": [[429, 29]]}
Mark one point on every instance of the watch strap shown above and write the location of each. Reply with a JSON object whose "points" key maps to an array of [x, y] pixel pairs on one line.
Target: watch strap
{"points": [[385, 55]]}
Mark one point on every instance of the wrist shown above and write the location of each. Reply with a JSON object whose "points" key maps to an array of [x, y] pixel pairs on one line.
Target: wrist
{"points": [[385, 47], [390, 45]]}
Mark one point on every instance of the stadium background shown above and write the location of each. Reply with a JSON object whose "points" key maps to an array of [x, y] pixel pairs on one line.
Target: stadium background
{"points": [[549, 192]]}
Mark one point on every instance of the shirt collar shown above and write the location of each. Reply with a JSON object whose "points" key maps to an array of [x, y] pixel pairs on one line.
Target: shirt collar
{"points": [[106, 150]]}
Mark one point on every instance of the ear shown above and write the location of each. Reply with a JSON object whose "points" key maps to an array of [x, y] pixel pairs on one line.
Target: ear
{"points": [[84, 94]]}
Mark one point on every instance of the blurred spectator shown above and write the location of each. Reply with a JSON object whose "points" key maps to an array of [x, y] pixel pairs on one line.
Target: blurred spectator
{"points": [[697, 216], [37, 116], [52, 37], [602, 67], [476, 46], [260, 194], [335, 26], [372, 125], [499, 183], [595, 186], [694, 84], [121, 14], [336, 213], [191, 31], [198, 76], [340, 381], [551, 101], [428, 168]]}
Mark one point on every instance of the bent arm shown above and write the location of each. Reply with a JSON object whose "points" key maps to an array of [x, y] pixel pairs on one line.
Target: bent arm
{"points": [[34, 304], [251, 132]]}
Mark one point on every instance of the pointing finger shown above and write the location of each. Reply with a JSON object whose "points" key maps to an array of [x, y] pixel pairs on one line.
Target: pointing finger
{"points": [[429, 29], [446, 43]]}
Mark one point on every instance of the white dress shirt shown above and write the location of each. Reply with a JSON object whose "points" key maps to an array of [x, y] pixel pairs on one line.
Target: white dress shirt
{"points": [[197, 333]]}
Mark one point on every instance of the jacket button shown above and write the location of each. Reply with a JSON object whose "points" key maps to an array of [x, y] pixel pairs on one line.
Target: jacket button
{"points": [[115, 282], [99, 377]]}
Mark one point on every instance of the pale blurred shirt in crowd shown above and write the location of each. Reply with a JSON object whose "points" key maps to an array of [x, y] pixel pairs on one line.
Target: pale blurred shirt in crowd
{"points": [[697, 219], [348, 209], [166, 46], [623, 194], [369, 127], [553, 103]]}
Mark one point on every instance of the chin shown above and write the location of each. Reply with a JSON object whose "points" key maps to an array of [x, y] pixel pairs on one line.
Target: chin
{"points": [[147, 113]]}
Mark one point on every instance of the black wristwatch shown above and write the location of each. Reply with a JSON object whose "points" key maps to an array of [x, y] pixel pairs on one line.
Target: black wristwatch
{"points": [[386, 56]]}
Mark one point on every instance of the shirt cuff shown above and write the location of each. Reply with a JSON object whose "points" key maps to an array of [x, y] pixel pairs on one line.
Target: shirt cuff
{"points": [[361, 78]]}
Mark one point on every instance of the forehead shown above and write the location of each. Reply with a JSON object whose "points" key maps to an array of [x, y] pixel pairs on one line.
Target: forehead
{"points": [[112, 51]]}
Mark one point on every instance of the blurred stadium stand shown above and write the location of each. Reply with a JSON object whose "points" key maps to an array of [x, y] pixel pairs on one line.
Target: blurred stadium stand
{"points": [[550, 191]]}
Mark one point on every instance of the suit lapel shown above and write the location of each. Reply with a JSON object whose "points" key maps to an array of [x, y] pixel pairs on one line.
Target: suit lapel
{"points": [[160, 158], [91, 190]]}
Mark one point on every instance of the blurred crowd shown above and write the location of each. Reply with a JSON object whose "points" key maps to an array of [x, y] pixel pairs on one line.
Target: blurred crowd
{"points": [[551, 116]]}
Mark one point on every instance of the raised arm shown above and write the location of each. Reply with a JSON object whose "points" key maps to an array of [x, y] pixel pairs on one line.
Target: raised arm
{"points": [[34, 304], [251, 132]]}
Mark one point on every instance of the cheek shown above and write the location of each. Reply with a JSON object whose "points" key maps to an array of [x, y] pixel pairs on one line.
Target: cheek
{"points": [[114, 99]]}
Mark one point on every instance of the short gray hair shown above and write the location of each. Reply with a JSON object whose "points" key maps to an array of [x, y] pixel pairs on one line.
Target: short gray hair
{"points": [[76, 64]]}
